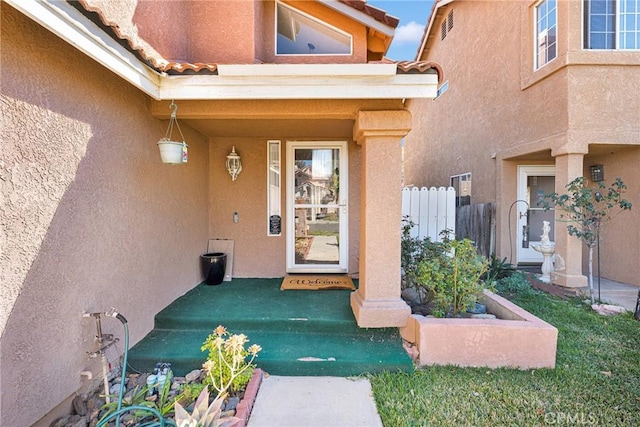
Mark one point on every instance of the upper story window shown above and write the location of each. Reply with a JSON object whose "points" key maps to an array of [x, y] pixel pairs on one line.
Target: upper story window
{"points": [[302, 34], [612, 24], [546, 32]]}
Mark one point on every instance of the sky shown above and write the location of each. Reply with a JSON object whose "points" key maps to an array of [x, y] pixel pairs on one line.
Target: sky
{"points": [[413, 16]]}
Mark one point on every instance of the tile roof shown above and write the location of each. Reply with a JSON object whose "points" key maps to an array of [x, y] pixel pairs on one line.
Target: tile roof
{"points": [[153, 59], [376, 13]]}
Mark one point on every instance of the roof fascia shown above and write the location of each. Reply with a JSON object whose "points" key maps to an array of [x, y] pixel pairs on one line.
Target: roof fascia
{"points": [[304, 83], [361, 17], [69, 24], [437, 5]]}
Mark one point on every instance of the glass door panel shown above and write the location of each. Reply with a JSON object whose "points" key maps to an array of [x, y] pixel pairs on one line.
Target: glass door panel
{"points": [[318, 208]]}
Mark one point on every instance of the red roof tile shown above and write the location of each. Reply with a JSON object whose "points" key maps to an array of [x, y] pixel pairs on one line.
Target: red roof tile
{"points": [[376, 13]]}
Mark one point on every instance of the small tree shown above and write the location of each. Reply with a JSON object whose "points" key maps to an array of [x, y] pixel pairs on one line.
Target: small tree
{"points": [[587, 209]]}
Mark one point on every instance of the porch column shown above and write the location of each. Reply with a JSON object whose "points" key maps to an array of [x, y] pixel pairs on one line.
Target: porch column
{"points": [[568, 167], [377, 301]]}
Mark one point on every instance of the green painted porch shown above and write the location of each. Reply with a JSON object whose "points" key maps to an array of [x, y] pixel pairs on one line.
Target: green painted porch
{"points": [[292, 327]]}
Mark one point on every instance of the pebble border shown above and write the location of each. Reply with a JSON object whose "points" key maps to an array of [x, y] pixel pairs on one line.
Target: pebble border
{"points": [[243, 410]]}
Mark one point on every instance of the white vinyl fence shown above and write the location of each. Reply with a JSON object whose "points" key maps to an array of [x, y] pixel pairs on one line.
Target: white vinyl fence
{"points": [[432, 210]]}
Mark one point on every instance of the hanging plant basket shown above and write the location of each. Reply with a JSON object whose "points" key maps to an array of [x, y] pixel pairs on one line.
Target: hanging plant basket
{"points": [[172, 152]]}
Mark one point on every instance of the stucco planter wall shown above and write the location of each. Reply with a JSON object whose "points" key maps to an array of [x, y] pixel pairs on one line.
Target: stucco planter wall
{"points": [[515, 339]]}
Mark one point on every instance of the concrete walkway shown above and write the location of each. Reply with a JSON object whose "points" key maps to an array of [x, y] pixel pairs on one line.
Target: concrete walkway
{"points": [[314, 401], [617, 293], [324, 249]]}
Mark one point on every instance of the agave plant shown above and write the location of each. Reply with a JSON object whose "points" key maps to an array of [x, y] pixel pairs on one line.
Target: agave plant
{"points": [[204, 414]]}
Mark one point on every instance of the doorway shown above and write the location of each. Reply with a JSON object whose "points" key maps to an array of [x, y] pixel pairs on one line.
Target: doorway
{"points": [[533, 183], [317, 207]]}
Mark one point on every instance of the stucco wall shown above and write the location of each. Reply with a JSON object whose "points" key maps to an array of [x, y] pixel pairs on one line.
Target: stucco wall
{"points": [[255, 253], [620, 237], [91, 218], [232, 31], [484, 110], [150, 18]]}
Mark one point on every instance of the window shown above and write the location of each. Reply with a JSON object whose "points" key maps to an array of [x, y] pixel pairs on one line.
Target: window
{"points": [[274, 215], [462, 185], [546, 32], [612, 24], [302, 34]]}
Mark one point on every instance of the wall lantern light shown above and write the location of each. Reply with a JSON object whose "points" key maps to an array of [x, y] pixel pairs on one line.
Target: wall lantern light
{"points": [[173, 152], [234, 164], [597, 173]]}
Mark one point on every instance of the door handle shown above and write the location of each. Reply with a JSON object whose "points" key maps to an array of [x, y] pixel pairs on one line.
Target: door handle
{"points": [[344, 206]]}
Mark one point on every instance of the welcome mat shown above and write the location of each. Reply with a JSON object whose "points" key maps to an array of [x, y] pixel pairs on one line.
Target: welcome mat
{"points": [[316, 282]]}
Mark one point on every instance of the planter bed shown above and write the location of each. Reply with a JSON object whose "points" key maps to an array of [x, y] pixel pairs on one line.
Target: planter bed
{"points": [[515, 339]]}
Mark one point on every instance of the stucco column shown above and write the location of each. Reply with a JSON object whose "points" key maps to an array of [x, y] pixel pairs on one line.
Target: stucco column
{"points": [[377, 301], [568, 167]]}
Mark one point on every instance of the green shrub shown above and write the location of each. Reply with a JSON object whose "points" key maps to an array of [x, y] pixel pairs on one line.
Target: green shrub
{"points": [[514, 284], [451, 274], [413, 252], [497, 269]]}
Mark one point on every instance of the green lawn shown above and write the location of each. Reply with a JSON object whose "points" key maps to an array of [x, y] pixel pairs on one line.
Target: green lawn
{"points": [[596, 380]]}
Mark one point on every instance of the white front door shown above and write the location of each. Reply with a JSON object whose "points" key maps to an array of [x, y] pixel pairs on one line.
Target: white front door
{"points": [[533, 183], [317, 240]]}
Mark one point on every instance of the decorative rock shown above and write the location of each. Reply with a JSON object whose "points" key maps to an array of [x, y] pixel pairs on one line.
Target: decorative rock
{"points": [[141, 381], [193, 375], [82, 422], [60, 422], [420, 309], [95, 403], [80, 406], [483, 316], [478, 309], [410, 295], [115, 389], [231, 404]]}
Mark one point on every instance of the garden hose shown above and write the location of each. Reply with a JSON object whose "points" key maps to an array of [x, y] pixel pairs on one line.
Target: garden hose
{"points": [[163, 422]]}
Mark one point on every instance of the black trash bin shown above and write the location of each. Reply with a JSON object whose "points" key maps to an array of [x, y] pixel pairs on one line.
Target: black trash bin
{"points": [[213, 266]]}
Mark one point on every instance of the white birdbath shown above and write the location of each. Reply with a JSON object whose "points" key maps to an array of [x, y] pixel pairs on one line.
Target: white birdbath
{"points": [[547, 252], [547, 249]]}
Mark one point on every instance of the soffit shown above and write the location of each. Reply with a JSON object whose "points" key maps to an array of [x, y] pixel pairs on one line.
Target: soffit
{"points": [[316, 119], [263, 128]]}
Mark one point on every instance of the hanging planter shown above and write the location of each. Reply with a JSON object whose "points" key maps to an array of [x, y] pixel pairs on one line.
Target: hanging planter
{"points": [[173, 152]]}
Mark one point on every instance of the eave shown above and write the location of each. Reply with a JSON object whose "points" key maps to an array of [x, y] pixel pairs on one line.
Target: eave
{"points": [[232, 82]]}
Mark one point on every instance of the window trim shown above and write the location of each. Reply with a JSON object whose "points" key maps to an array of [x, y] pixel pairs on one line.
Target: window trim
{"points": [[313, 18], [536, 65]]}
